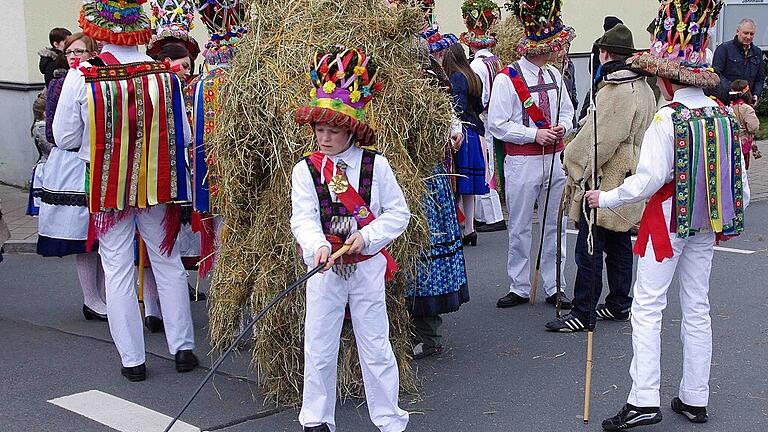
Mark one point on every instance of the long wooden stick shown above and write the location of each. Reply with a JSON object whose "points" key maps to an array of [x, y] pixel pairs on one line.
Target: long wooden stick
{"points": [[559, 256], [588, 378], [142, 259]]}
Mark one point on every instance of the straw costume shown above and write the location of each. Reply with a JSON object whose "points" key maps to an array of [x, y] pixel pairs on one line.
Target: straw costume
{"points": [[691, 170], [479, 17], [523, 103], [256, 143], [128, 120]]}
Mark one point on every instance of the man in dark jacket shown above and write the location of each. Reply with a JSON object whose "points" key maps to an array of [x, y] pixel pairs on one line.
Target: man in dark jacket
{"points": [[57, 38], [740, 59]]}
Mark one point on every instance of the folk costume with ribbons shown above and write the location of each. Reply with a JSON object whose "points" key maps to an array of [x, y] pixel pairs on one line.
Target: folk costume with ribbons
{"points": [[691, 169], [523, 101], [334, 196], [171, 22], [226, 24], [128, 119], [479, 16]]}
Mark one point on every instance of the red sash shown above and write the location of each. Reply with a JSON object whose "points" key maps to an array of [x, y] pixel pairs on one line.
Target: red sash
{"points": [[356, 206], [653, 226]]}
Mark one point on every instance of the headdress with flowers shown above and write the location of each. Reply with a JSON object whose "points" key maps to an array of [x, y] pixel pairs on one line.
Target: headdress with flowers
{"points": [[171, 22], [479, 16], [118, 22], [681, 38], [436, 41], [543, 24], [226, 21], [343, 82]]}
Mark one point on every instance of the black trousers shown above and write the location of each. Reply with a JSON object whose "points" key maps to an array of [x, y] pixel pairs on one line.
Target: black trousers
{"points": [[617, 247]]}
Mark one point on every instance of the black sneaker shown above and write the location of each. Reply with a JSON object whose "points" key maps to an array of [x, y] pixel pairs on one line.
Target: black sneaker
{"points": [[511, 300], [567, 324], [631, 416], [492, 227], [322, 428], [604, 312], [694, 414], [565, 302]]}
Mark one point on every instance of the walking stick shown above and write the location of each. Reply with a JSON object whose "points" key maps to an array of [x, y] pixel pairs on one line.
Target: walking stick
{"points": [[591, 250], [559, 256], [536, 272], [336, 255], [142, 260]]}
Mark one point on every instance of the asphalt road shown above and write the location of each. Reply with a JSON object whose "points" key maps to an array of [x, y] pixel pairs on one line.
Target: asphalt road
{"points": [[501, 370]]}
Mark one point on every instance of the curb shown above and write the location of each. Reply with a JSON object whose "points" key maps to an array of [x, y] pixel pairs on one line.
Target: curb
{"points": [[20, 247]]}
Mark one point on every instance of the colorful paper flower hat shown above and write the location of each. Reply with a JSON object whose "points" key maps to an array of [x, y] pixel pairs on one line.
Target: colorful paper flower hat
{"points": [[543, 24], [171, 22], [119, 22], [680, 42], [436, 41], [226, 21], [479, 16], [343, 81]]}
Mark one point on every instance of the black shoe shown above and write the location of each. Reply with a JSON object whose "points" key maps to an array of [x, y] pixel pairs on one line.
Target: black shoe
{"points": [[420, 351], [322, 428], [186, 361], [565, 302], [604, 312], [694, 414], [135, 373], [154, 324], [631, 416], [195, 295], [567, 324], [91, 314], [470, 239], [511, 300], [496, 226]]}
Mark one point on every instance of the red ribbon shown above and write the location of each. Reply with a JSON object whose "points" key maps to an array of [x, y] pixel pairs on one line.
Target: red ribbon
{"points": [[653, 226], [354, 203]]}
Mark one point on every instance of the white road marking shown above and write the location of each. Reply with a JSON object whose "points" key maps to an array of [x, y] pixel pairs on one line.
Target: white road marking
{"points": [[717, 248], [119, 414]]}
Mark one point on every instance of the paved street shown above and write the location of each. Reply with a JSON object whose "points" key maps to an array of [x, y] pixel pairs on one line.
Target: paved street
{"points": [[501, 371]]}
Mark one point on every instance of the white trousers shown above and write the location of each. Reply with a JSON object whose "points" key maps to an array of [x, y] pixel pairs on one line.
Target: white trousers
{"points": [[125, 323], [327, 296], [693, 261], [523, 176]]}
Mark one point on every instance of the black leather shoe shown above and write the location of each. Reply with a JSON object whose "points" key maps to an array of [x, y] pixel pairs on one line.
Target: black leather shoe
{"points": [[496, 226], [154, 324], [135, 373], [470, 239], [186, 361], [511, 300], [322, 428], [565, 302], [195, 295], [91, 314]]}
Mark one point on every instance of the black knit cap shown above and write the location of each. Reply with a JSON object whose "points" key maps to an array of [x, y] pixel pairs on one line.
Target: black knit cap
{"points": [[611, 22]]}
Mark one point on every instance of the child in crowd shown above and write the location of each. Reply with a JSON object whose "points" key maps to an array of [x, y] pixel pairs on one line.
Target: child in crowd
{"points": [[741, 102], [48, 55], [346, 194]]}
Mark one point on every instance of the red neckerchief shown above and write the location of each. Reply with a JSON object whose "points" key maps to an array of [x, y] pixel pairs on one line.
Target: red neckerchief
{"points": [[350, 199]]}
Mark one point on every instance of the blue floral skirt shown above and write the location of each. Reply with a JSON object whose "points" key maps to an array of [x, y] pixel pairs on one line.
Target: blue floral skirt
{"points": [[470, 164], [441, 282]]}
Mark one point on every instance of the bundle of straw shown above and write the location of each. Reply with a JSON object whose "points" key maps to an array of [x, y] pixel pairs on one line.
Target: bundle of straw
{"points": [[508, 34], [256, 143]]}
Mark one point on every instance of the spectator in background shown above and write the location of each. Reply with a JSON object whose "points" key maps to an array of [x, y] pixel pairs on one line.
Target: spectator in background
{"points": [[740, 59], [48, 55], [741, 102]]}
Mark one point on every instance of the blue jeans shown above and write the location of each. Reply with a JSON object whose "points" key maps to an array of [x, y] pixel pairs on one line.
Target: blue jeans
{"points": [[617, 247]]}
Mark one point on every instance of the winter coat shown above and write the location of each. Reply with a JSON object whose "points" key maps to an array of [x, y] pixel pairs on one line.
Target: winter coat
{"points": [[731, 63], [747, 118], [625, 108], [48, 62]]}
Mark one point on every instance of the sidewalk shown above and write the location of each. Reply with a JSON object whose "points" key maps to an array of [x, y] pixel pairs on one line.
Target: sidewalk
{"points": [[24, 228]]}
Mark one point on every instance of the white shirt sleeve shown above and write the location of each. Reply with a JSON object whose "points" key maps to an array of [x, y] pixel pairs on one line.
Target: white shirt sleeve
{"points": [[68, 124], [394, 216], [305, 215], [501, 114], [654, 169]]}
